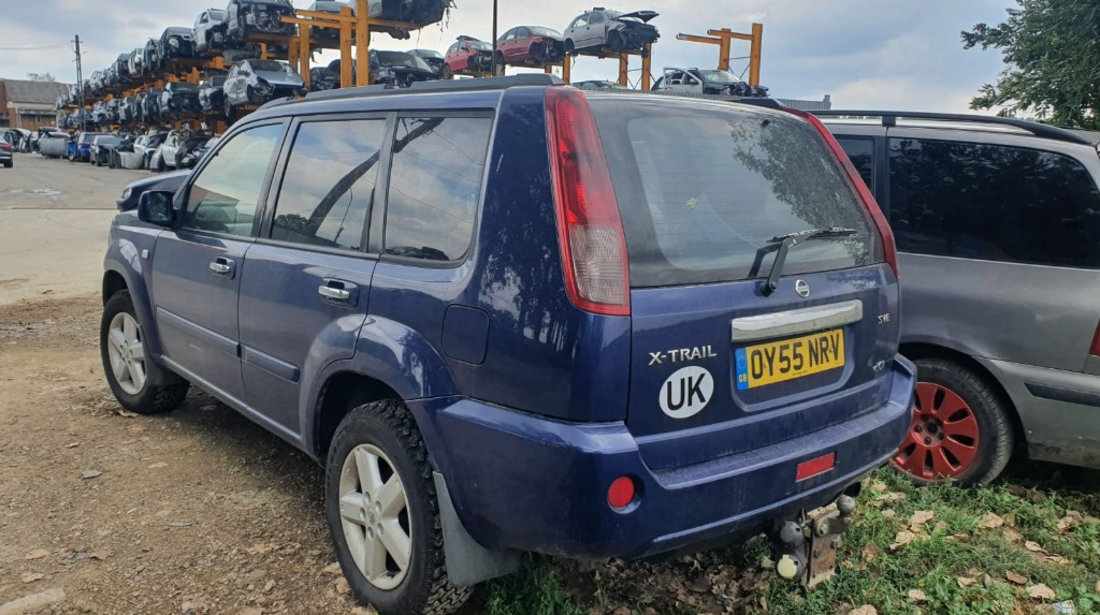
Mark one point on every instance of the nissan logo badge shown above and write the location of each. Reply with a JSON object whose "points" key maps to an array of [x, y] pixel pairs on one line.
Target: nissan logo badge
{"points": [[802, 288]]}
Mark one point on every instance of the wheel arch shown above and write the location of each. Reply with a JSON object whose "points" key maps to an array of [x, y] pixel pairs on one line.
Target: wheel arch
{"points": [[342, 392], [915, 351]]}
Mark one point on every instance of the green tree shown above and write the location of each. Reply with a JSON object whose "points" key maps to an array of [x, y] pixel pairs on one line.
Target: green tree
{"points": [[1052, 52]]}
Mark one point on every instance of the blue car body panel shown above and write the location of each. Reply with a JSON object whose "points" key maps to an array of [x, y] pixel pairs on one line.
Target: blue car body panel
{"points": [[529, 407]]}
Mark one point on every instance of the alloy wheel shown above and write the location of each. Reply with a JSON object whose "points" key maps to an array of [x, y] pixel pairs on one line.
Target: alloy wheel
{"points": [[127, 353], [374, 514], [943, 437]]}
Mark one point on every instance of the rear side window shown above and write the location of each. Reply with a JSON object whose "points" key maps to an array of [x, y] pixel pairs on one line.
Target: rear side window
{"points": [[703, 189], [435, 185], [993, 202], [862, 154], [328, 189]]}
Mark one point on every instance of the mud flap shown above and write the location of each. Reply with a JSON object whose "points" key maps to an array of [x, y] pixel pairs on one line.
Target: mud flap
{"points": [[467, 561]]}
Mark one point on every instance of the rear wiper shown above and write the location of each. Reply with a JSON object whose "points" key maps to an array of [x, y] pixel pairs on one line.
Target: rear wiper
{"points": [[790, 240]]}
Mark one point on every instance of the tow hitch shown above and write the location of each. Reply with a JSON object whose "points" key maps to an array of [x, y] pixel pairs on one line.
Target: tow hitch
{"points": [[805, 549]]}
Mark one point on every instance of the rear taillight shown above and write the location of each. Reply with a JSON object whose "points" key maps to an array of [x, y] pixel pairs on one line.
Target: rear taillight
{"points": [[590, 230], [1095, 348], [5, 147], [889, 248]]}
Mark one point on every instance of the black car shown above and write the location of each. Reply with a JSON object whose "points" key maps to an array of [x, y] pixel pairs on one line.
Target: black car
{"points": [[327, 35], [179, 99], [127, 110], [248, 17], [150, 56], [432, 58], [101, 150], [212, 95], [325, 77], [175, 43], [398, 69], [151, 106]]}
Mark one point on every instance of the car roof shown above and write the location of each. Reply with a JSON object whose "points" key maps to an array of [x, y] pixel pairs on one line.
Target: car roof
{"points": [[951, 121]]}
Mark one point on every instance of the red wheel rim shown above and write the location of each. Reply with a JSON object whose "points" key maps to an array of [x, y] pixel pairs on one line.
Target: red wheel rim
{"points": [[943, 438]]}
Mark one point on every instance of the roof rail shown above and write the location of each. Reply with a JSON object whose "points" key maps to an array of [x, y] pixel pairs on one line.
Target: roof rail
{"points": [[456, 85], [890, 118]]}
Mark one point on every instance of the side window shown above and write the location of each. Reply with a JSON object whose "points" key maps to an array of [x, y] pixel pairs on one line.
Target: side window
{"points": [[328, 190], [224, 196], [993, 202], [580, 21], [435, 185], [595, 18], [862, 154]]}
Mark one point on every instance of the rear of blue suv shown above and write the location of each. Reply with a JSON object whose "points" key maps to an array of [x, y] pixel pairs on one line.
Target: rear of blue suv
{"points": [[602, 326]]}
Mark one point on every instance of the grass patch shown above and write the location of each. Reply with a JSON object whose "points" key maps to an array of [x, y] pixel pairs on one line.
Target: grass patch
{"points": [[980, 552]]}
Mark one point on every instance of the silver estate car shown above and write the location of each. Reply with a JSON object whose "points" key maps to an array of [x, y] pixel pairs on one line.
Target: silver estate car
{"points": [[997, 222]]}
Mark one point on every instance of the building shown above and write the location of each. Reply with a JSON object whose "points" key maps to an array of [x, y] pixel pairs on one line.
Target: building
{"points": [[29, 104]]}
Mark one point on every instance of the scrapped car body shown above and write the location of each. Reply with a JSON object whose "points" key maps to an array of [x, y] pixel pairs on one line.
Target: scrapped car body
{"points": [[136, 63], [599, 84], [255, 82], [398, 69], [102, 145], [332, 35], [986, 210], [151, 105], [179, 100], [432, 58], [530, 318], [246, 17], [164, 156], [619, 32], [468, 55], [212, 95], [531, 45], [150, 55], [209, 32], [701, 81], [324, 78], [126, 110], [54, 145], [7, 158], [146, 146], [175, 43]]}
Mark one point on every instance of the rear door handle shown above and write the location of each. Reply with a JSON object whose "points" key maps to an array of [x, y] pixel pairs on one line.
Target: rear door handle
{"points": [[339, 292], [224, 267]]}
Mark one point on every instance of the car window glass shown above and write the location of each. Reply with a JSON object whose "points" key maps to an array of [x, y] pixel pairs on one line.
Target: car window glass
{"points": [[435, 184], [596, 18], [580, 21], [704, 189], [328, 190], [224, 196], [521, 33], [993, 202], [862, 154]]}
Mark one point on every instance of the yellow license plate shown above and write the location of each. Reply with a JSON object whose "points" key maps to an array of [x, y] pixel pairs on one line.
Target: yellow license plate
{"points": [[765, 364]]}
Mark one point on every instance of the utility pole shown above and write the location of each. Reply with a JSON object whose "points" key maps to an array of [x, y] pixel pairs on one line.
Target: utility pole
{"points": [[496, 67], [80, 82]]}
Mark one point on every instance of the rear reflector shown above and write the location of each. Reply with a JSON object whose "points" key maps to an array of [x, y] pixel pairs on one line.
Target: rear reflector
{"points": [[590, 230], [813, 467], [621, 493], [1095, 348], [889, 247]]}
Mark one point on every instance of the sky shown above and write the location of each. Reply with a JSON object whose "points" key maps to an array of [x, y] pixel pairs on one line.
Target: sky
{"points": [[899, 54]]}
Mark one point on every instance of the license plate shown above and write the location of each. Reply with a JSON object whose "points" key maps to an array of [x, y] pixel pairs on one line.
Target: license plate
{"points": [[774, 362]]}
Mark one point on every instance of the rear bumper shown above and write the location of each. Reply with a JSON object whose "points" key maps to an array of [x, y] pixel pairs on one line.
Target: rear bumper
{"points": [[525, 482]]}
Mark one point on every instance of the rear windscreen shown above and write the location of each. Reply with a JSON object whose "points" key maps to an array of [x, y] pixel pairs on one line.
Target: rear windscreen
{"points": [[704, 188]]}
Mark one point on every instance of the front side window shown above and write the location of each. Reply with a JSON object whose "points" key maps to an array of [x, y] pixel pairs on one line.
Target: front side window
{"points": [[328, 190], [993, 202], [224, 196], [862, 154], [435, 185]]}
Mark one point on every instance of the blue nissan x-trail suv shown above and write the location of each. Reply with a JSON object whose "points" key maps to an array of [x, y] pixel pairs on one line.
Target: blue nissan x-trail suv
{"points": [[508, 316]]}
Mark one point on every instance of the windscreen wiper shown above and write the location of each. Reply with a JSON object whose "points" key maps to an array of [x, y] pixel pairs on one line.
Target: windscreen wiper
{"points": [[790, 240]]}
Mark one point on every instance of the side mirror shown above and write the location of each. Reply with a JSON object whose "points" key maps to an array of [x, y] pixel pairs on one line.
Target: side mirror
{"points": [[155, 207]]}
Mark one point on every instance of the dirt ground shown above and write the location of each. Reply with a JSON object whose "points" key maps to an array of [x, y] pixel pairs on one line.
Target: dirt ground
{"points": [[199, 511]]}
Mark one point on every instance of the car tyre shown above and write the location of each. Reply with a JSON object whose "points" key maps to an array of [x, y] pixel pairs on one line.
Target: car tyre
{"points": [[447, 73], [378, 448], [961, 429], [570, 47], [124, 354], [161, 167]]}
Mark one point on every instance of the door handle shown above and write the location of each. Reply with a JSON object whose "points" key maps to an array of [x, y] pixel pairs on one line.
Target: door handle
{"points": [[339, 292], [222, 266]]}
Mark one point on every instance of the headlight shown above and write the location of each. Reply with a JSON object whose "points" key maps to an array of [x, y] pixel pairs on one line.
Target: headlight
{"points": [[127, 193]]}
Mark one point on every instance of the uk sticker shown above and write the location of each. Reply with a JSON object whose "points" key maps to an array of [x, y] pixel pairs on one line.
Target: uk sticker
{"points": [[686, 392]]}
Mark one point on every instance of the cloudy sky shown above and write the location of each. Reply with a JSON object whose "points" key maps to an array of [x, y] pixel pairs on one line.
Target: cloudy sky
{"points": [[864, 53]]}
